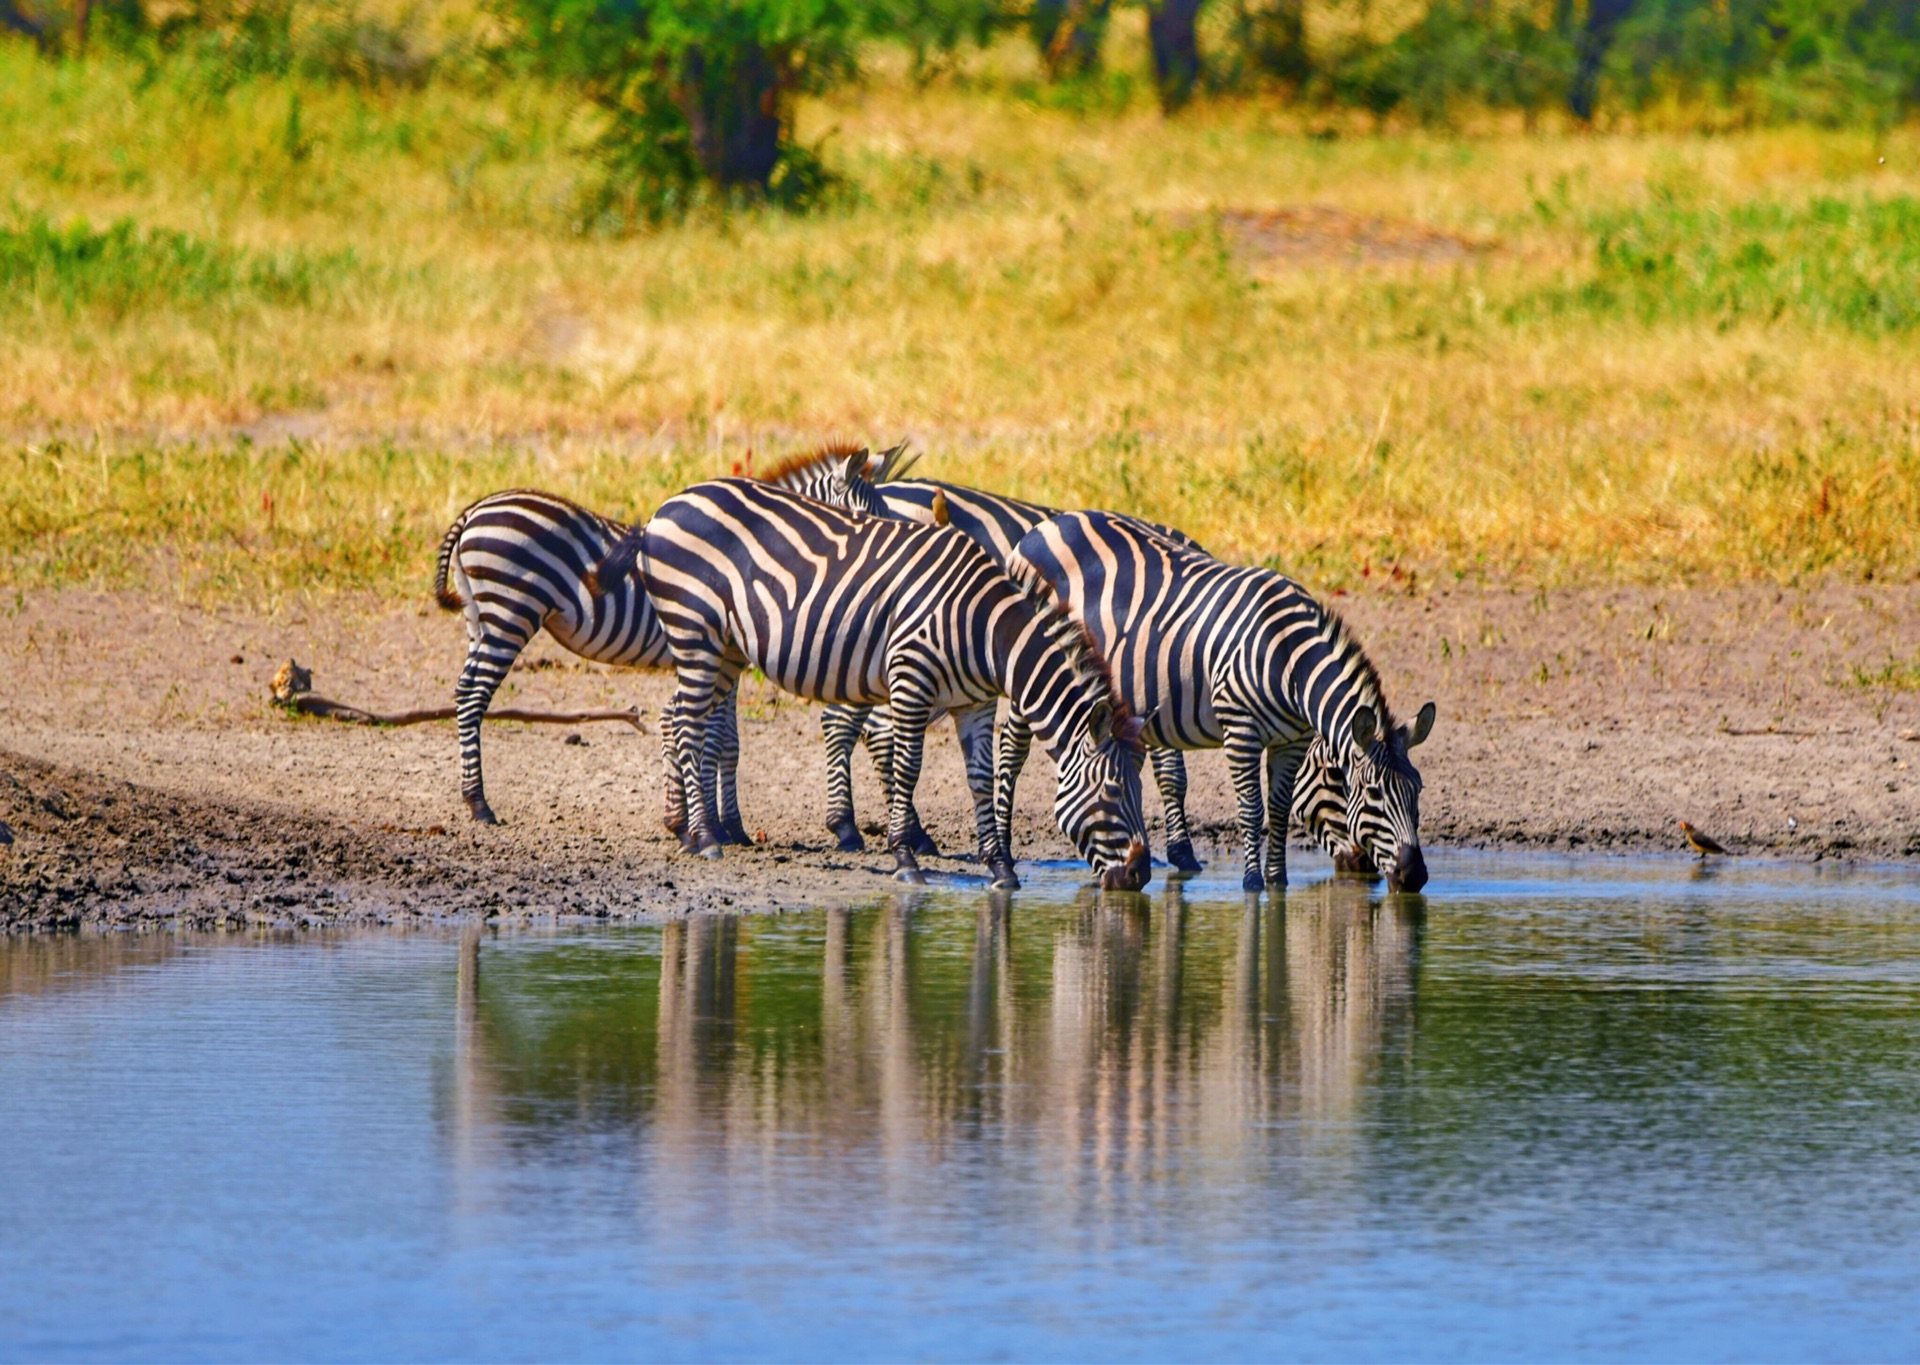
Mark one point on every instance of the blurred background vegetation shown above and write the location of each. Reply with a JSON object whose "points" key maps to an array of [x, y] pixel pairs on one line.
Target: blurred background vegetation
{"points": [[697, 96], [1573, 290]]}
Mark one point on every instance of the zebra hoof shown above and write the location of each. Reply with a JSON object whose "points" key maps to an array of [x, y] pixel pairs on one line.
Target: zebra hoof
{"points": [[710, 851], [922, 843], [848, 835], [1180, 857], [910, 876], [482, 812], [1254, 882], [1003, 878], [735, 834]]}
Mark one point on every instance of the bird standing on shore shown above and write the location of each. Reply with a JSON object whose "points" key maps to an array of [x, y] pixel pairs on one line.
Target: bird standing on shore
{"points": [[1701, 843]]}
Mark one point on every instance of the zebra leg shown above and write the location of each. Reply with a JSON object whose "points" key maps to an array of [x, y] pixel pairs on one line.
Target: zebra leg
{"points": [[693, 699], [841, 727], [676, 788], [974, 726], [1244, 752], [878, 734], [490, 653], [1283, 766], [1170, 775], [723, 753], [910, 717], [1016, 740]]}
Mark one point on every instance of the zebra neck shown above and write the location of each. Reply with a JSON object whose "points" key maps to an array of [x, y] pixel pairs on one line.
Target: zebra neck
{"points": [[1329, 681], [1039, 678]]}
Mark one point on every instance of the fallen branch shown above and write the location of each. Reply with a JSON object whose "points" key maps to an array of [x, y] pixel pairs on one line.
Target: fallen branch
{"points": [[293, 691]]}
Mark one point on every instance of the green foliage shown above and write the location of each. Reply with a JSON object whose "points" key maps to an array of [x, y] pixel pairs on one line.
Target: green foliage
{"points": [[697, 96], [1834, 62], [222, 43], [1456, 54], [126, 268]]}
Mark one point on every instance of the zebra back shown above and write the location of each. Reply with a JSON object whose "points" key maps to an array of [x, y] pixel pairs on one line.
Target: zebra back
{"points": [[839, 475]]}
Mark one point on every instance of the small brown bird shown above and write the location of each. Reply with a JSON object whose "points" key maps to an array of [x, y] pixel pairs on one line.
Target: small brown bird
{"points": [[1701, 843], [942, 515]]}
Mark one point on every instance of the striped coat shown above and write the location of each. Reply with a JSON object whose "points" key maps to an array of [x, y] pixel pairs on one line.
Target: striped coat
{"points": [[849, 609]]}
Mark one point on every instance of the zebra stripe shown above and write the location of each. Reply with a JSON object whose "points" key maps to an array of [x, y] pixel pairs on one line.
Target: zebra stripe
{"points": [[1217, 655], [849, 609], [519, 561]]}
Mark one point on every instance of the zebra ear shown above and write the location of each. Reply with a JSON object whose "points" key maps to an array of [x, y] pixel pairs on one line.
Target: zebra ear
{"points": [[1422, 724], [1100, 724], [853, 466], [1364, 724]]}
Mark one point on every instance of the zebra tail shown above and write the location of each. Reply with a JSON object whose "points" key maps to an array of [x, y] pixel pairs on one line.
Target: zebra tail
{"points": [[618, 564], [443, 592]]}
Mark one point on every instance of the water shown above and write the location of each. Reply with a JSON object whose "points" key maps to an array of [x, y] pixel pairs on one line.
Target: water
{"points": [[1574, 1108]]}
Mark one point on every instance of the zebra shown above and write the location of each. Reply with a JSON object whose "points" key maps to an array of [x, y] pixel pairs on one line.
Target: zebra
{"points": [[845, 608], [517, 561], [997, 523], [1215, 654]]}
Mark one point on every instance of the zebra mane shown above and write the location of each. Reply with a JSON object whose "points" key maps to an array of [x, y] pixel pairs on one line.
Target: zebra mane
{"points": [[1345, 645], [1084, 655], [888, 464], [794, 467]]}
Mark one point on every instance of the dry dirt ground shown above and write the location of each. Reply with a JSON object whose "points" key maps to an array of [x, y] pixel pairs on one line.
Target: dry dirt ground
{"points": [[145, 778]]}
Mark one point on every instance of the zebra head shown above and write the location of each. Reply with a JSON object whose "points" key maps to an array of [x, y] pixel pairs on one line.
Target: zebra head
{"points": [[844, 476], [1383, 796], [1098, 752], [1320, 808], [1097, 804]]}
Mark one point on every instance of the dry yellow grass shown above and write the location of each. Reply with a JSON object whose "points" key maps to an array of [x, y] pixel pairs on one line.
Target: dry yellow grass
{"points": [[390, 312]]}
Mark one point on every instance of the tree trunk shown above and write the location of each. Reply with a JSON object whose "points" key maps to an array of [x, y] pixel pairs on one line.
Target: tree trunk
{"points": [[13, 21], [1604, 18], [82, 13], [733, 109], [1069, 33], [1173, 35]]}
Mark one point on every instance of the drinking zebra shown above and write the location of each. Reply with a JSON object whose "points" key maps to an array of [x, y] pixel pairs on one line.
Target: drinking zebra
{"points": [[851, 609], [997, 524], [517, 562], [1215, 654]]}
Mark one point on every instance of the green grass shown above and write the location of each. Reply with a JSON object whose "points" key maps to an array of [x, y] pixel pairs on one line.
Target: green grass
{"points": [[125, 268], [1853, 265]]}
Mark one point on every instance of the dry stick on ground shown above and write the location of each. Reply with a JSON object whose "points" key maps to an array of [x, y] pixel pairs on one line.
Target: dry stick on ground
{"points": [[293, 690]]}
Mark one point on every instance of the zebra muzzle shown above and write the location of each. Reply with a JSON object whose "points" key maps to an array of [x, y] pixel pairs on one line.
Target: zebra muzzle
{"points": [[1409, 871], [1132, 874]]}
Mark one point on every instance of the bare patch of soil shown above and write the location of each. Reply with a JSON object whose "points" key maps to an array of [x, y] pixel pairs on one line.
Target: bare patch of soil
{"points": [[1320, 235], [146, 778]]}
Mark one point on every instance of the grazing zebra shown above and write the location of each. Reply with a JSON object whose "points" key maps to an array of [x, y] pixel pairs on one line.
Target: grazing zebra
{"points": [[1215, 654], [997, 524], [517, 561], [851, 609]]}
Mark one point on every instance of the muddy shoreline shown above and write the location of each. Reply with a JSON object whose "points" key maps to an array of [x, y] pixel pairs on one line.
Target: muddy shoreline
{"points": [[146, 779]]}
